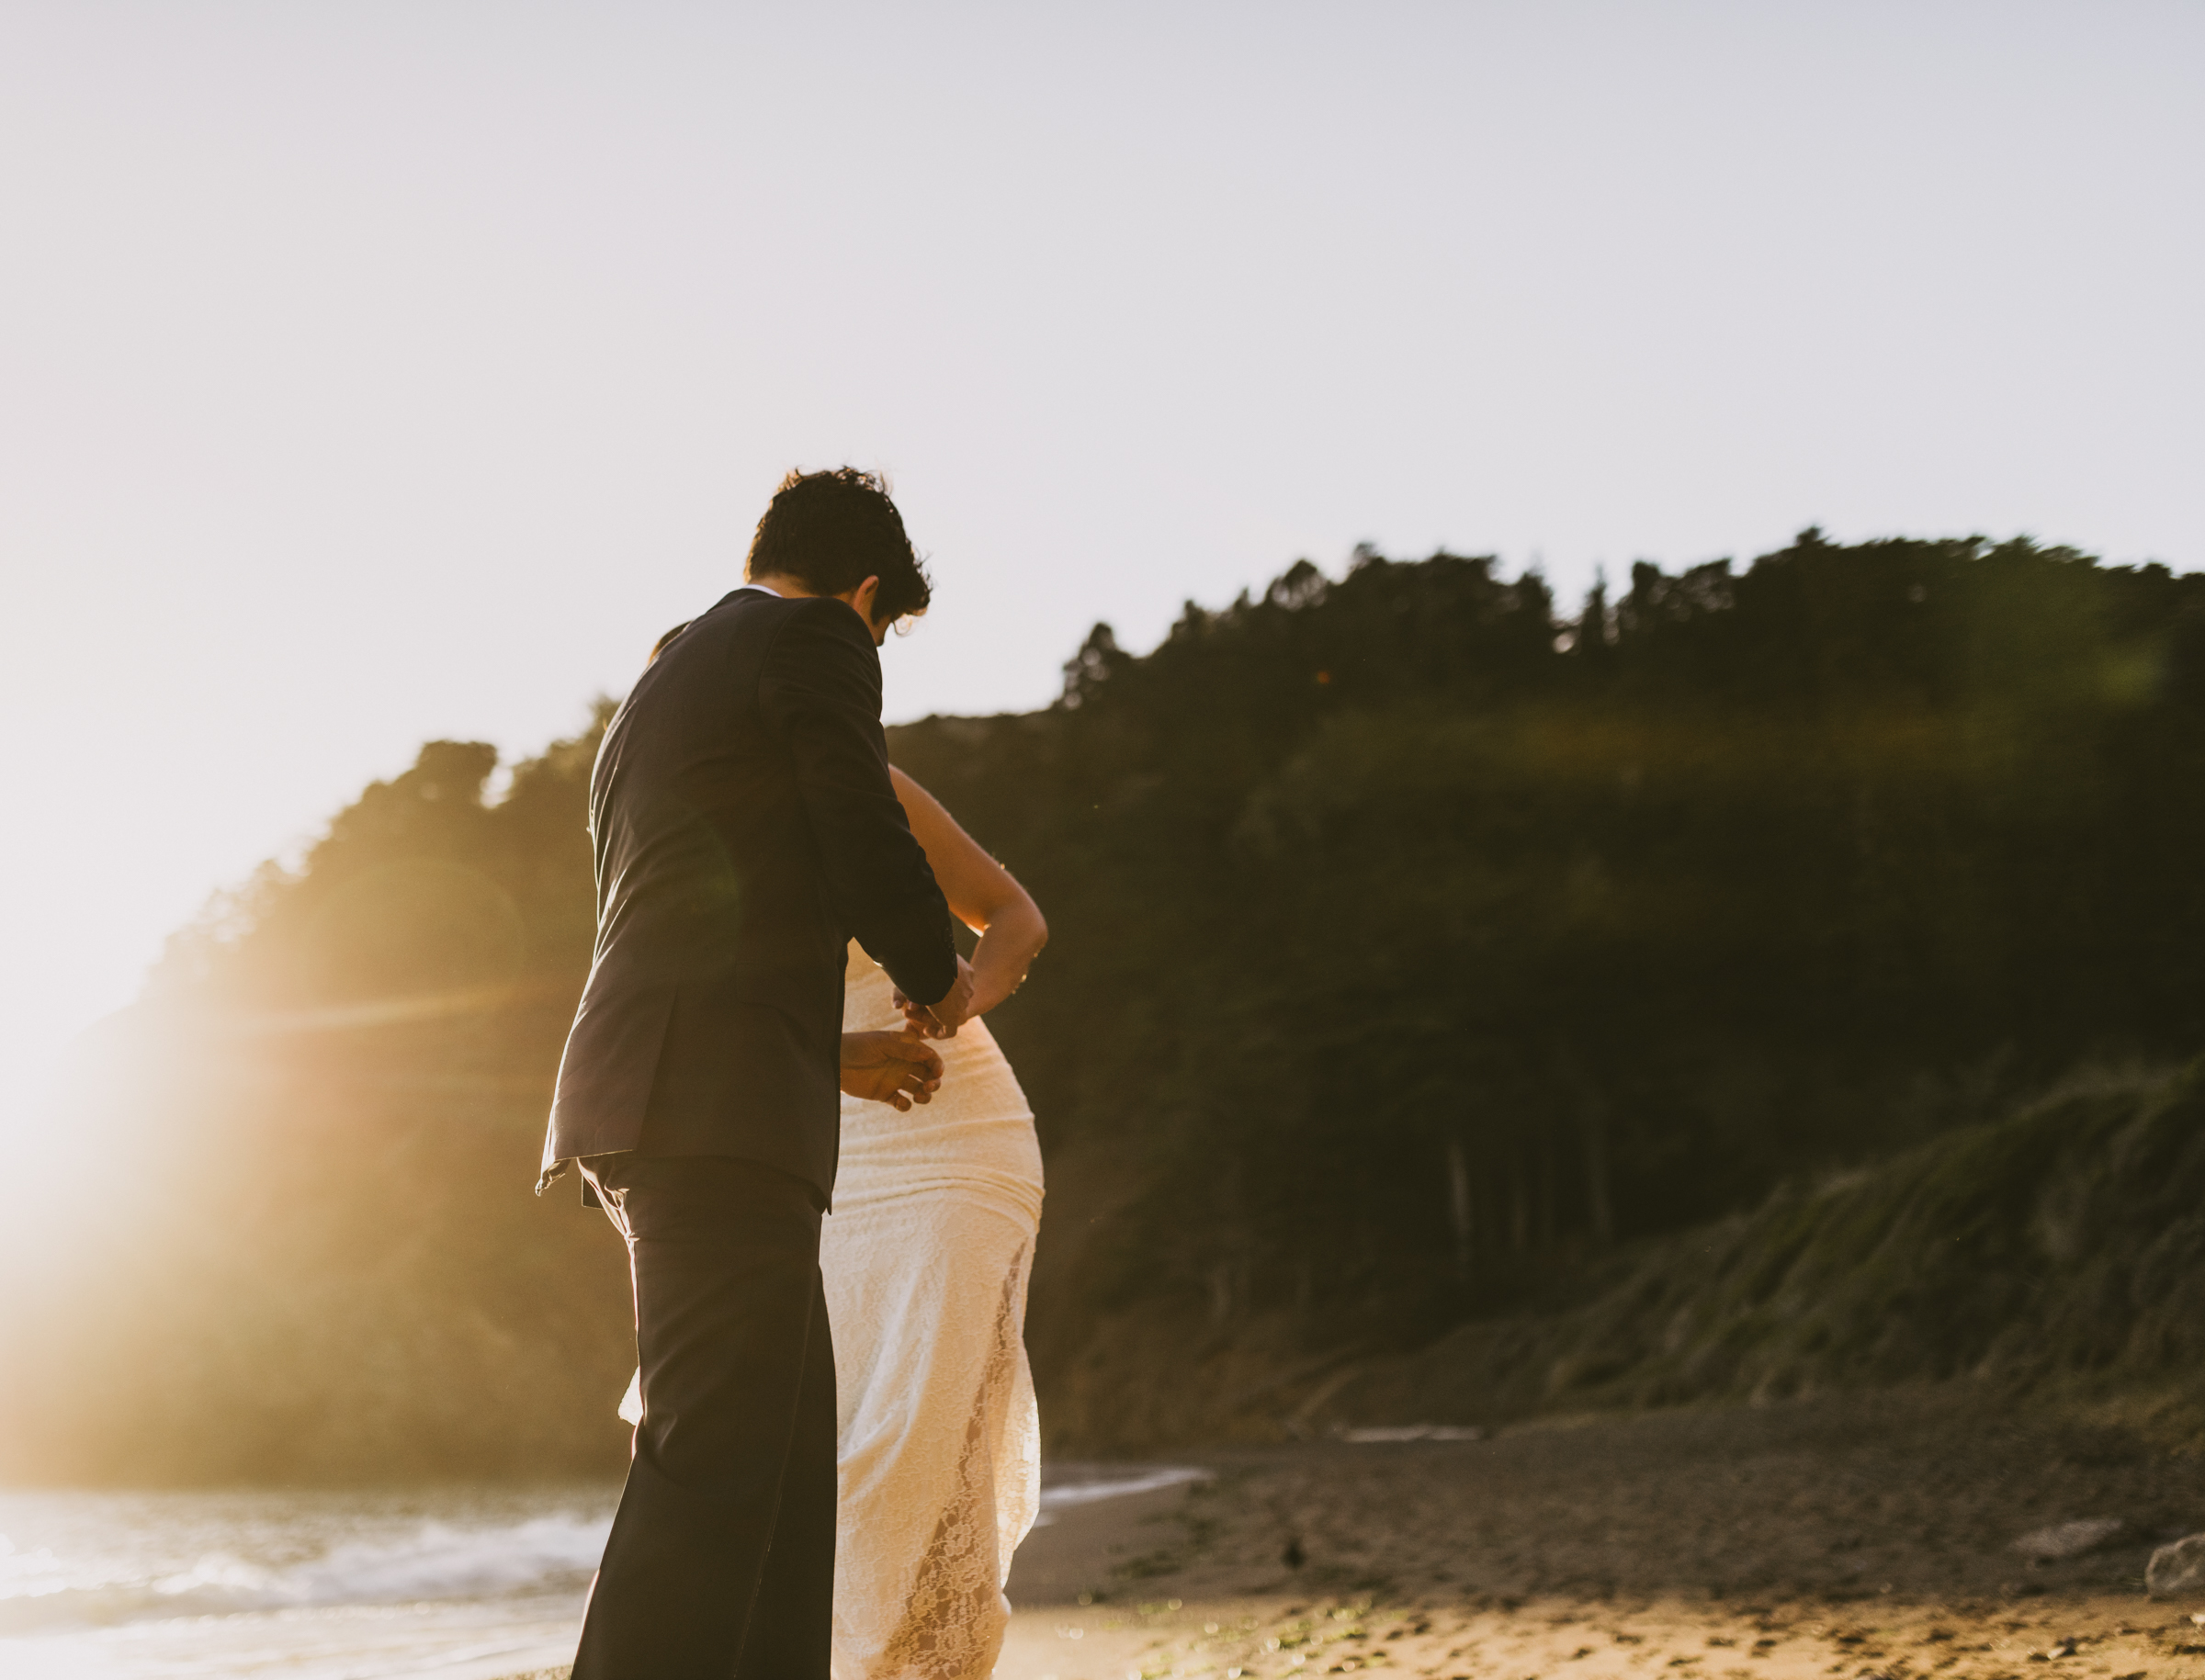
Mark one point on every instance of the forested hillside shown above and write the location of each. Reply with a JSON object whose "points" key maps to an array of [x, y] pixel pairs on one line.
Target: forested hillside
{"points": [[1415, 948]]}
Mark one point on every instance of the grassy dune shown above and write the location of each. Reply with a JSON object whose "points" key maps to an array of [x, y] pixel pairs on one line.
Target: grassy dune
{"points": [[2058, 1251]]}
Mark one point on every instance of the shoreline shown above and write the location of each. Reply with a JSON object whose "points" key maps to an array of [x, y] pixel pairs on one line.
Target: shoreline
{"points": [[1864, 1536]]}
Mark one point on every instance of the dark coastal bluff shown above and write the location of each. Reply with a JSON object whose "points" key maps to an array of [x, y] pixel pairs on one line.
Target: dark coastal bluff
{"points": [[1762, 980]]}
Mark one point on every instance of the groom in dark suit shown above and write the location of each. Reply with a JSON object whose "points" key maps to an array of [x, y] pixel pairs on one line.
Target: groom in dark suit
{"points": [[745, 830]]}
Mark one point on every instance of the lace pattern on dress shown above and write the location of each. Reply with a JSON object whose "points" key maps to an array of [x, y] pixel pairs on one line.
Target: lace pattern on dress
{"points": [[953, 1624]]}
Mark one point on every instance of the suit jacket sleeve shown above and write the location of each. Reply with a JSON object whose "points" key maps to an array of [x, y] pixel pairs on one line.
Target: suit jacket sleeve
{"points": [[820, 688]]}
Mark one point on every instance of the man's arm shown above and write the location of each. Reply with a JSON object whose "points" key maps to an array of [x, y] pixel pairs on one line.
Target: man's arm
{"points": [[822, 689]]}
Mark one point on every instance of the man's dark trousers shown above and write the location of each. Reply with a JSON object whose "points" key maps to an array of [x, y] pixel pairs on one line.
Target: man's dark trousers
{"points": [[722, 1560]]}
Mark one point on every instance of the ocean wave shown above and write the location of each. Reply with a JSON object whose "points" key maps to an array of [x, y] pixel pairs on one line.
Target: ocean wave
{"points": [[268, 1564], [93, 1560], [437, 1561], [1071, 1485]]}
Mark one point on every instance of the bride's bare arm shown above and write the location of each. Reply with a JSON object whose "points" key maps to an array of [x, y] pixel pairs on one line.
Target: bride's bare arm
{"points": [[981, 895]]}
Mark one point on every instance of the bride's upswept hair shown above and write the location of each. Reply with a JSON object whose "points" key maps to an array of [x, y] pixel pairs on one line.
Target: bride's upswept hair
{"points": [[658, 647], [831, 531]]}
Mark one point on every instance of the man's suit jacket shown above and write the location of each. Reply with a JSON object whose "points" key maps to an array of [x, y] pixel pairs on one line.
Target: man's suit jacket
{"points": [[745, 829]]}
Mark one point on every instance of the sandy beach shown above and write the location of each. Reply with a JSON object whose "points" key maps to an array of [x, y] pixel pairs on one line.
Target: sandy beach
{"points": [[1864, 1536], [1859, 1537]]}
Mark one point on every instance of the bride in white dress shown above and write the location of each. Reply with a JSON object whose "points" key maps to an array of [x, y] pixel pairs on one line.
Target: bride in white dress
{"points": [[925, 1258]]}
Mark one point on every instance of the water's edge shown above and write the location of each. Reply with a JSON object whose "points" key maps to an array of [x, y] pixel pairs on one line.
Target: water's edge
{"points": [[457, 1584]]}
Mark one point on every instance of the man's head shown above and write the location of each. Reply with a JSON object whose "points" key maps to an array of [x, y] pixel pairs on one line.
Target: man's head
{"points": [[830, 532]]}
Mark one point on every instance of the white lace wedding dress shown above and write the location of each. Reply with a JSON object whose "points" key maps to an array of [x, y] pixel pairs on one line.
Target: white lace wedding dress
{"points": [[925, 1258], [927, 1255]]}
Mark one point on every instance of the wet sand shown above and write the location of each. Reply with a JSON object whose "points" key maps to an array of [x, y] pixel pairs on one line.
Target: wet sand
{"points": [[1861, 1538]]}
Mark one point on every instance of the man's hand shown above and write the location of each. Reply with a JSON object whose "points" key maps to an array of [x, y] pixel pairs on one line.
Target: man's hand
{"points": [[897, 1069], [942, 1018]]}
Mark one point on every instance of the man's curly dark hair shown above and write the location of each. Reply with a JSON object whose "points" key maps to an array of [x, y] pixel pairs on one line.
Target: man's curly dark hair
{"points": [[832, 530]]}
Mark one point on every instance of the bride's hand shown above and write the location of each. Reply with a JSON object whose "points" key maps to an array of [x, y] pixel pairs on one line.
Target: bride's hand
{"points": [[942, 1018], [897, 1069]]}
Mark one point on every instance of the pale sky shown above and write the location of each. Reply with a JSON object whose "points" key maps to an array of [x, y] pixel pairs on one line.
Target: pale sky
{"points": [[377, 372]]}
